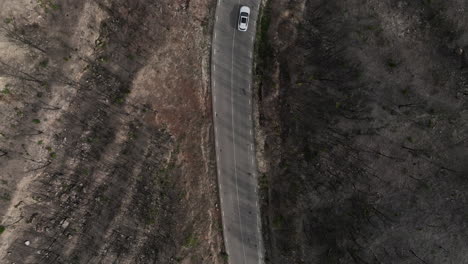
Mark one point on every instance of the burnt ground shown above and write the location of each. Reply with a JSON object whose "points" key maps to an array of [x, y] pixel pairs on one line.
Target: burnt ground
{"points": [[105, 133], [363, 125]]}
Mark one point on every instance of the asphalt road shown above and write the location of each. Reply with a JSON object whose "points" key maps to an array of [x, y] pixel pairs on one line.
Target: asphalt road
{"points": [[231, 68]]}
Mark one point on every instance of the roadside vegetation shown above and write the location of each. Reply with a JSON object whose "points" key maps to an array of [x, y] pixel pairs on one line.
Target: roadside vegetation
{"points": [[263, 48]]}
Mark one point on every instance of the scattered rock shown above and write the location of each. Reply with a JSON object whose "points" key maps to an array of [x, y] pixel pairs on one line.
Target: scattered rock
{"points": [[65, 224]]}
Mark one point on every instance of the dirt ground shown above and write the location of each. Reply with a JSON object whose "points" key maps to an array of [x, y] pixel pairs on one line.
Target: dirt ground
{"points": [[362, 131], [105, 133]]}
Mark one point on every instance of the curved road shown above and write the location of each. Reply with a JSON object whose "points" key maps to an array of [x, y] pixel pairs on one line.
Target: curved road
{"points": [[231, 78]]}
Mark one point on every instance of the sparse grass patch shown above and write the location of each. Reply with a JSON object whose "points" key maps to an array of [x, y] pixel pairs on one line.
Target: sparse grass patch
{"points": [[191, 241], [278, 222], [151, 217], [8, 20], [36, 121], [2, 229], [131, 135], [263, 182], [391, 63], [405, 91], [48, 4], [19, 112], [91, 139], [119, 100], [224, 255], [263, 47], [5, 197], [44, 63], [6, 91], [54, 6], [104, 198], [75, 260]]}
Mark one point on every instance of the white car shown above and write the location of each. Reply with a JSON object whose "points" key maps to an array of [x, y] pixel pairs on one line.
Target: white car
{"points": [[244, 14]]}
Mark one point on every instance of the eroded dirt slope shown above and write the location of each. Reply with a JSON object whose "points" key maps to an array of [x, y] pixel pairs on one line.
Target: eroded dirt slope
{"points": [[363, 131], [105, 131]]}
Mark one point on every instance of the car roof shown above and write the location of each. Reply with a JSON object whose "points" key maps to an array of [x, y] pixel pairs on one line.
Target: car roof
{"points": [[245, 9]]}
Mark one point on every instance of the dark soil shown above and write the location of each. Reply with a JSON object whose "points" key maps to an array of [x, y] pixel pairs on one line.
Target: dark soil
{"points": [[365, 118]]}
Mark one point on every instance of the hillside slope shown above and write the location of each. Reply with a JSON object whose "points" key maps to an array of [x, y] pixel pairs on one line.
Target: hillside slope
{"points": [[97, 162], [363, 124]]}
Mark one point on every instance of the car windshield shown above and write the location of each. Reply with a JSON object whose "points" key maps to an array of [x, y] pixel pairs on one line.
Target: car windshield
{"points": [[244, 14], [244, 20]]}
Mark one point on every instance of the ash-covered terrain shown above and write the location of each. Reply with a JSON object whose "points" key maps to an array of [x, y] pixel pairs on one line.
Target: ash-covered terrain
{"points": [[105, 133], [363, 125]]}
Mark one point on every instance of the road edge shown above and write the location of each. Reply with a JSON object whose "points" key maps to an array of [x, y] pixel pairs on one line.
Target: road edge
{"points": [[259, 139], [224, 253]]}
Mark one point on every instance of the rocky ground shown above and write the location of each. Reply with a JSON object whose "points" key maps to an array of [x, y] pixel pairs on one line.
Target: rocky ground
{"points": [[105, 133], [363, 124]]}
